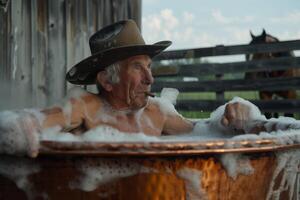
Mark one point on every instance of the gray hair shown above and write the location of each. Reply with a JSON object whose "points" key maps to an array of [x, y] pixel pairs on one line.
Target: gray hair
{"points": [[113, 75]]}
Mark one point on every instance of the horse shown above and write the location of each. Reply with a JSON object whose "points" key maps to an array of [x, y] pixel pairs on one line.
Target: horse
{"points": [[268, 95]]}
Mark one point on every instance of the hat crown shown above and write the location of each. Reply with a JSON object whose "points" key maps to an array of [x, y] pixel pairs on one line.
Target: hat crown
{"points": [[120, 34], [112, 43]]}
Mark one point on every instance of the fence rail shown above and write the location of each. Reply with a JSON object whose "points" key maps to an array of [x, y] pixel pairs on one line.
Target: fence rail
{"points": [[221, 50], [231, 67], [171, 75]]}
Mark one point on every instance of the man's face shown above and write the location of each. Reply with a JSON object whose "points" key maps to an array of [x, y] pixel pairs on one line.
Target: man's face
{"points": [[135, 79]]}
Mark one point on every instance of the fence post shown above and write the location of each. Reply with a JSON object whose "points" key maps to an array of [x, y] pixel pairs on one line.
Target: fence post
{"points": [[219, 94]]}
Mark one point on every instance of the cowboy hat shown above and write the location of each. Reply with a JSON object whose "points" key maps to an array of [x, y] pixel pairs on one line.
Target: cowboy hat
{"points": [[112, 43]]}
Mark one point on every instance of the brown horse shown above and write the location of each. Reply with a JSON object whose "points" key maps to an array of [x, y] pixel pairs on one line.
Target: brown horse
{"points": [[268, 95]]}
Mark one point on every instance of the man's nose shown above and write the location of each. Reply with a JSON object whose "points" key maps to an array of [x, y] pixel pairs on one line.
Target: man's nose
{"points": [[148, 78]]}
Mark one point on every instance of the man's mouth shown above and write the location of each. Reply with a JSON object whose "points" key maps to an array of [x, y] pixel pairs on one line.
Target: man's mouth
{"points": [[147, 93]]}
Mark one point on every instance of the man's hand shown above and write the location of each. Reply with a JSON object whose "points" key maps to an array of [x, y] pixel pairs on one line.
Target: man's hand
{"points": [[236, 116]]}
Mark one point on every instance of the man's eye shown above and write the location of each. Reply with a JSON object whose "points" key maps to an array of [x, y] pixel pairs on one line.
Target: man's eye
{"points": [[137, 66]]}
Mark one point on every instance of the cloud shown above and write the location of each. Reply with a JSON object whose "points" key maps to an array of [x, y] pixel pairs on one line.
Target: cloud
{"points": [[169, 20], [151, 1], [188, 17], [159, 26], [183, 32], [220, 18], [183, 29], [238, 34], [287, 35], [293, 17]]}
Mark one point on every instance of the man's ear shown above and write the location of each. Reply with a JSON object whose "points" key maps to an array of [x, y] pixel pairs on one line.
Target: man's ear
{"points": [[103, 80]]}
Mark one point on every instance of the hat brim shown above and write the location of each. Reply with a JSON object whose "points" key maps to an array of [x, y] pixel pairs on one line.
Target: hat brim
{"points": [[85, 72]]}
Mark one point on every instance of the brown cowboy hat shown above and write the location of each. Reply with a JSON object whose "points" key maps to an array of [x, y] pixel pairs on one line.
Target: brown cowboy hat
{"points": [[113, 43]]}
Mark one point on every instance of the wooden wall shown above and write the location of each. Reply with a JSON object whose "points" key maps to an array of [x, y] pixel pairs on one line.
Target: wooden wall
{"points": [[41, 39]]}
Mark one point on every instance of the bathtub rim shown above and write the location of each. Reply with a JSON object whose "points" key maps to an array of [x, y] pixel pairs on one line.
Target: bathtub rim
{"points": [[162, 149]]}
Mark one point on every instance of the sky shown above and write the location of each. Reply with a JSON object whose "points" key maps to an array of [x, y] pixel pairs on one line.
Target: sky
{"points": [[199, 23]]}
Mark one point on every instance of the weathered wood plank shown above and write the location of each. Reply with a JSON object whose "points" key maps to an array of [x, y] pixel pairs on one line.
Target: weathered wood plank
{"points": [[290, 106], [271, 84], [56, 53], [135, 11], [282, 63], [39, 50], [5, 55], [229, 50], [70, 36], [5, 72], [77, 32], [21, 54]]}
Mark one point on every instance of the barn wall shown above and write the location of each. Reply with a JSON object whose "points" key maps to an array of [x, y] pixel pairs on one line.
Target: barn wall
{"points": [[41, 39]]}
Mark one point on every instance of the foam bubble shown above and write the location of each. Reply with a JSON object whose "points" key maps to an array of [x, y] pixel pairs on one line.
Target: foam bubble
{"points": [[99, 171], [167, 100], [18, 170], [107, 133], [169, 94], [98, 134], [236, 164], [19, 132], [192, 182], [287, 167], [55, 134]]}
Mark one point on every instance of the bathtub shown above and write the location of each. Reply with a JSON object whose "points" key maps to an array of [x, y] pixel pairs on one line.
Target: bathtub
{"points": [[216, 169]]}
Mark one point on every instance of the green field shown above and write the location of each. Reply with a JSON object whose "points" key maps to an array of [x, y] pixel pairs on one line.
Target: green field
{"points": [[252, 95]]}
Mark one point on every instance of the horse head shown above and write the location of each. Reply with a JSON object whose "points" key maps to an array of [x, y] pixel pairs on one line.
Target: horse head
{"points": [[264, 37]]}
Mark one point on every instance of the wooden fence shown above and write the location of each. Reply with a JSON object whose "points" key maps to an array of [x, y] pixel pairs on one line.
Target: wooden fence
{"points": [[171, 75]]}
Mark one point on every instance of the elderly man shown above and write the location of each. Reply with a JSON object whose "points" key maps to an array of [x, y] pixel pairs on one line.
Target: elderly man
{"points": [[120, 66]]}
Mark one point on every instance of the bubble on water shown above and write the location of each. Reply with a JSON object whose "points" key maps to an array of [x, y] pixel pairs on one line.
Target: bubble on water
{"points": [[18, 170], [100, 171], [236, 164], [287, 168], [192, 182]]}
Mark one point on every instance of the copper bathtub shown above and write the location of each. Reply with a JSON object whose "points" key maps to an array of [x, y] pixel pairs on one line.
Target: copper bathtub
{"points": [[169, 170]]}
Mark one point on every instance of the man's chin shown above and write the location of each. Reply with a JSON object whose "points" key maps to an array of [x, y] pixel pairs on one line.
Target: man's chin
{"points": [[140, 104]]}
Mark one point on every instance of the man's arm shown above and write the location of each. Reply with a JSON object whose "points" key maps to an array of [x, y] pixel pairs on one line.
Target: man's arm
{"points": [[176, 124], [68, 117]]}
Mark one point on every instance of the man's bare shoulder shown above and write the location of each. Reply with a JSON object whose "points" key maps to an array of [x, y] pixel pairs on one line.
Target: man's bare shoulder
{"points": [[89, 97], [153, 106], [92, 101], [80, 97]]}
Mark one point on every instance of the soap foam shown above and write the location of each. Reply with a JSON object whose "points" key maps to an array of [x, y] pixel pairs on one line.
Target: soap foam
{"points": [[288, 163], [192, 182], [100, 171], [167, 101], [236, 164], [19, 132], [18, 170]]}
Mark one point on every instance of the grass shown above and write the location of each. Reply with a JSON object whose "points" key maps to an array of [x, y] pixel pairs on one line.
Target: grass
{"points": [[248, 95]]}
